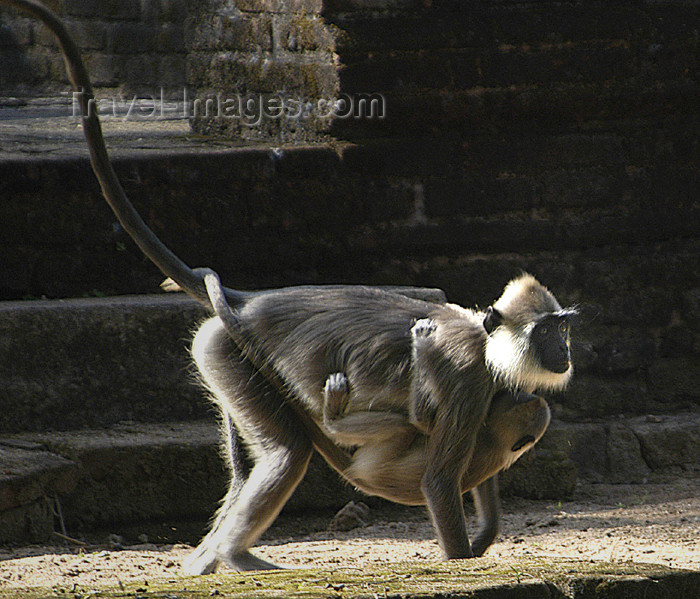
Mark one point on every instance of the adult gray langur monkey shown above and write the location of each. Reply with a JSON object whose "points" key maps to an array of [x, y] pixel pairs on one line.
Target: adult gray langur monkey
{"points": [[279, 363], [391, 456], [414, 381]]}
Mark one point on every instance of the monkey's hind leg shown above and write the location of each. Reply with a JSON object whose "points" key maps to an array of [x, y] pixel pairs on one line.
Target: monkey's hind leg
{"points": [[488, 510], [420, 407], [335, 399], [359, 428], [275, 440]]}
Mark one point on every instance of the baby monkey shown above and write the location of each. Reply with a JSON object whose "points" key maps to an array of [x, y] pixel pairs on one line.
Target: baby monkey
{"points": [[392, 466], [391, 452]]}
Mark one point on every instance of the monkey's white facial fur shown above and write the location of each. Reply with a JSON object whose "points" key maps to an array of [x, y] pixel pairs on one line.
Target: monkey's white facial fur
{"points": [[510, 360], [512, 355]]}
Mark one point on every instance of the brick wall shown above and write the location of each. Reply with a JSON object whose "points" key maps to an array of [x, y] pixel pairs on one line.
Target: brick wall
{"points": [[556, 137], [134, 45], [269, 63], [223, 51]]}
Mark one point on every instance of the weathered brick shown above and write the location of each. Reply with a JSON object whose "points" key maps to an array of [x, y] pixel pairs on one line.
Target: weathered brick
{"points": [[18, 67], [302, 33], [141, 69], [107, 9], [251, 73], [88, 35], [130, 38], [280, 6], [105, 69], [169, 38], [231, 33], [174, 11], [15, 31], [171, 71]]}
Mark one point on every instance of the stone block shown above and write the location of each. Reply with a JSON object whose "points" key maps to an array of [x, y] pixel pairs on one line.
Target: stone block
{"points": [[626, 463], [17, 67], [91, 363], [16, 31], [280, 6], [173, 11], [88, 35], [583, 444], [541, 474], [169, 38], [106, 69], [128, 10], [31, 481], [84, 8], [669, 443], [174, 471], [130, 38], [302, 33], [171, 73], [29, 472], [139, 473], [306, 79], [141, 68], [30, 523]]}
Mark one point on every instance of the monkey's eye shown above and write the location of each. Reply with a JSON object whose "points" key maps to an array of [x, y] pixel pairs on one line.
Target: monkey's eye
{"points": [[543, 330], [564, 328]]}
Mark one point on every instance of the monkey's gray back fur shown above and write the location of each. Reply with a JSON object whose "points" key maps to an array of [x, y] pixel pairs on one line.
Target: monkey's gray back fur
{"points": [[307, 334]]}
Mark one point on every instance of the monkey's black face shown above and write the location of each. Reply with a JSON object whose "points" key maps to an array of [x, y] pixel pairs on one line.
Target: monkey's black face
{"points": [[550, 340]]}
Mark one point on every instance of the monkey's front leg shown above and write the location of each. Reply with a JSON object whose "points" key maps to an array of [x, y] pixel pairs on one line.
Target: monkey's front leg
{"points": [[444, 498], [450, 450]]}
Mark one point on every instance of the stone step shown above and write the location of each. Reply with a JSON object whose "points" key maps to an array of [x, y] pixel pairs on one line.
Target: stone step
{"points": [[85, 363], [30, 479], [316, 215], [505, 67], [416, 25], [504, 110], [130, 473], [137, 473]]}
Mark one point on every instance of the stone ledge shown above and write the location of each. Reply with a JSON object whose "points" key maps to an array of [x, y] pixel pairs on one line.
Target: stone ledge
{"points": [[139, 472], [29, 477], [92, 363], [130, 473], [553, 578]]}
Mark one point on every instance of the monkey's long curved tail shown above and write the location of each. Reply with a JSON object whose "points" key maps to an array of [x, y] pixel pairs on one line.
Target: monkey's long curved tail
{"points": [[189, 280], [112, 189]]}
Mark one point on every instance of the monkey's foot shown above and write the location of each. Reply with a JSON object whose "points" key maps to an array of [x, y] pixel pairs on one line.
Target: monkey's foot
{"points": [[202, 560], [336, 396], [245, 561], [337, 383], [423, 328], [482, 543]]}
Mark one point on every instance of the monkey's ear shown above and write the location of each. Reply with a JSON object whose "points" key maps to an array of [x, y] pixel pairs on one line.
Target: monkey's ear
{"points": [[492, 319]]}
